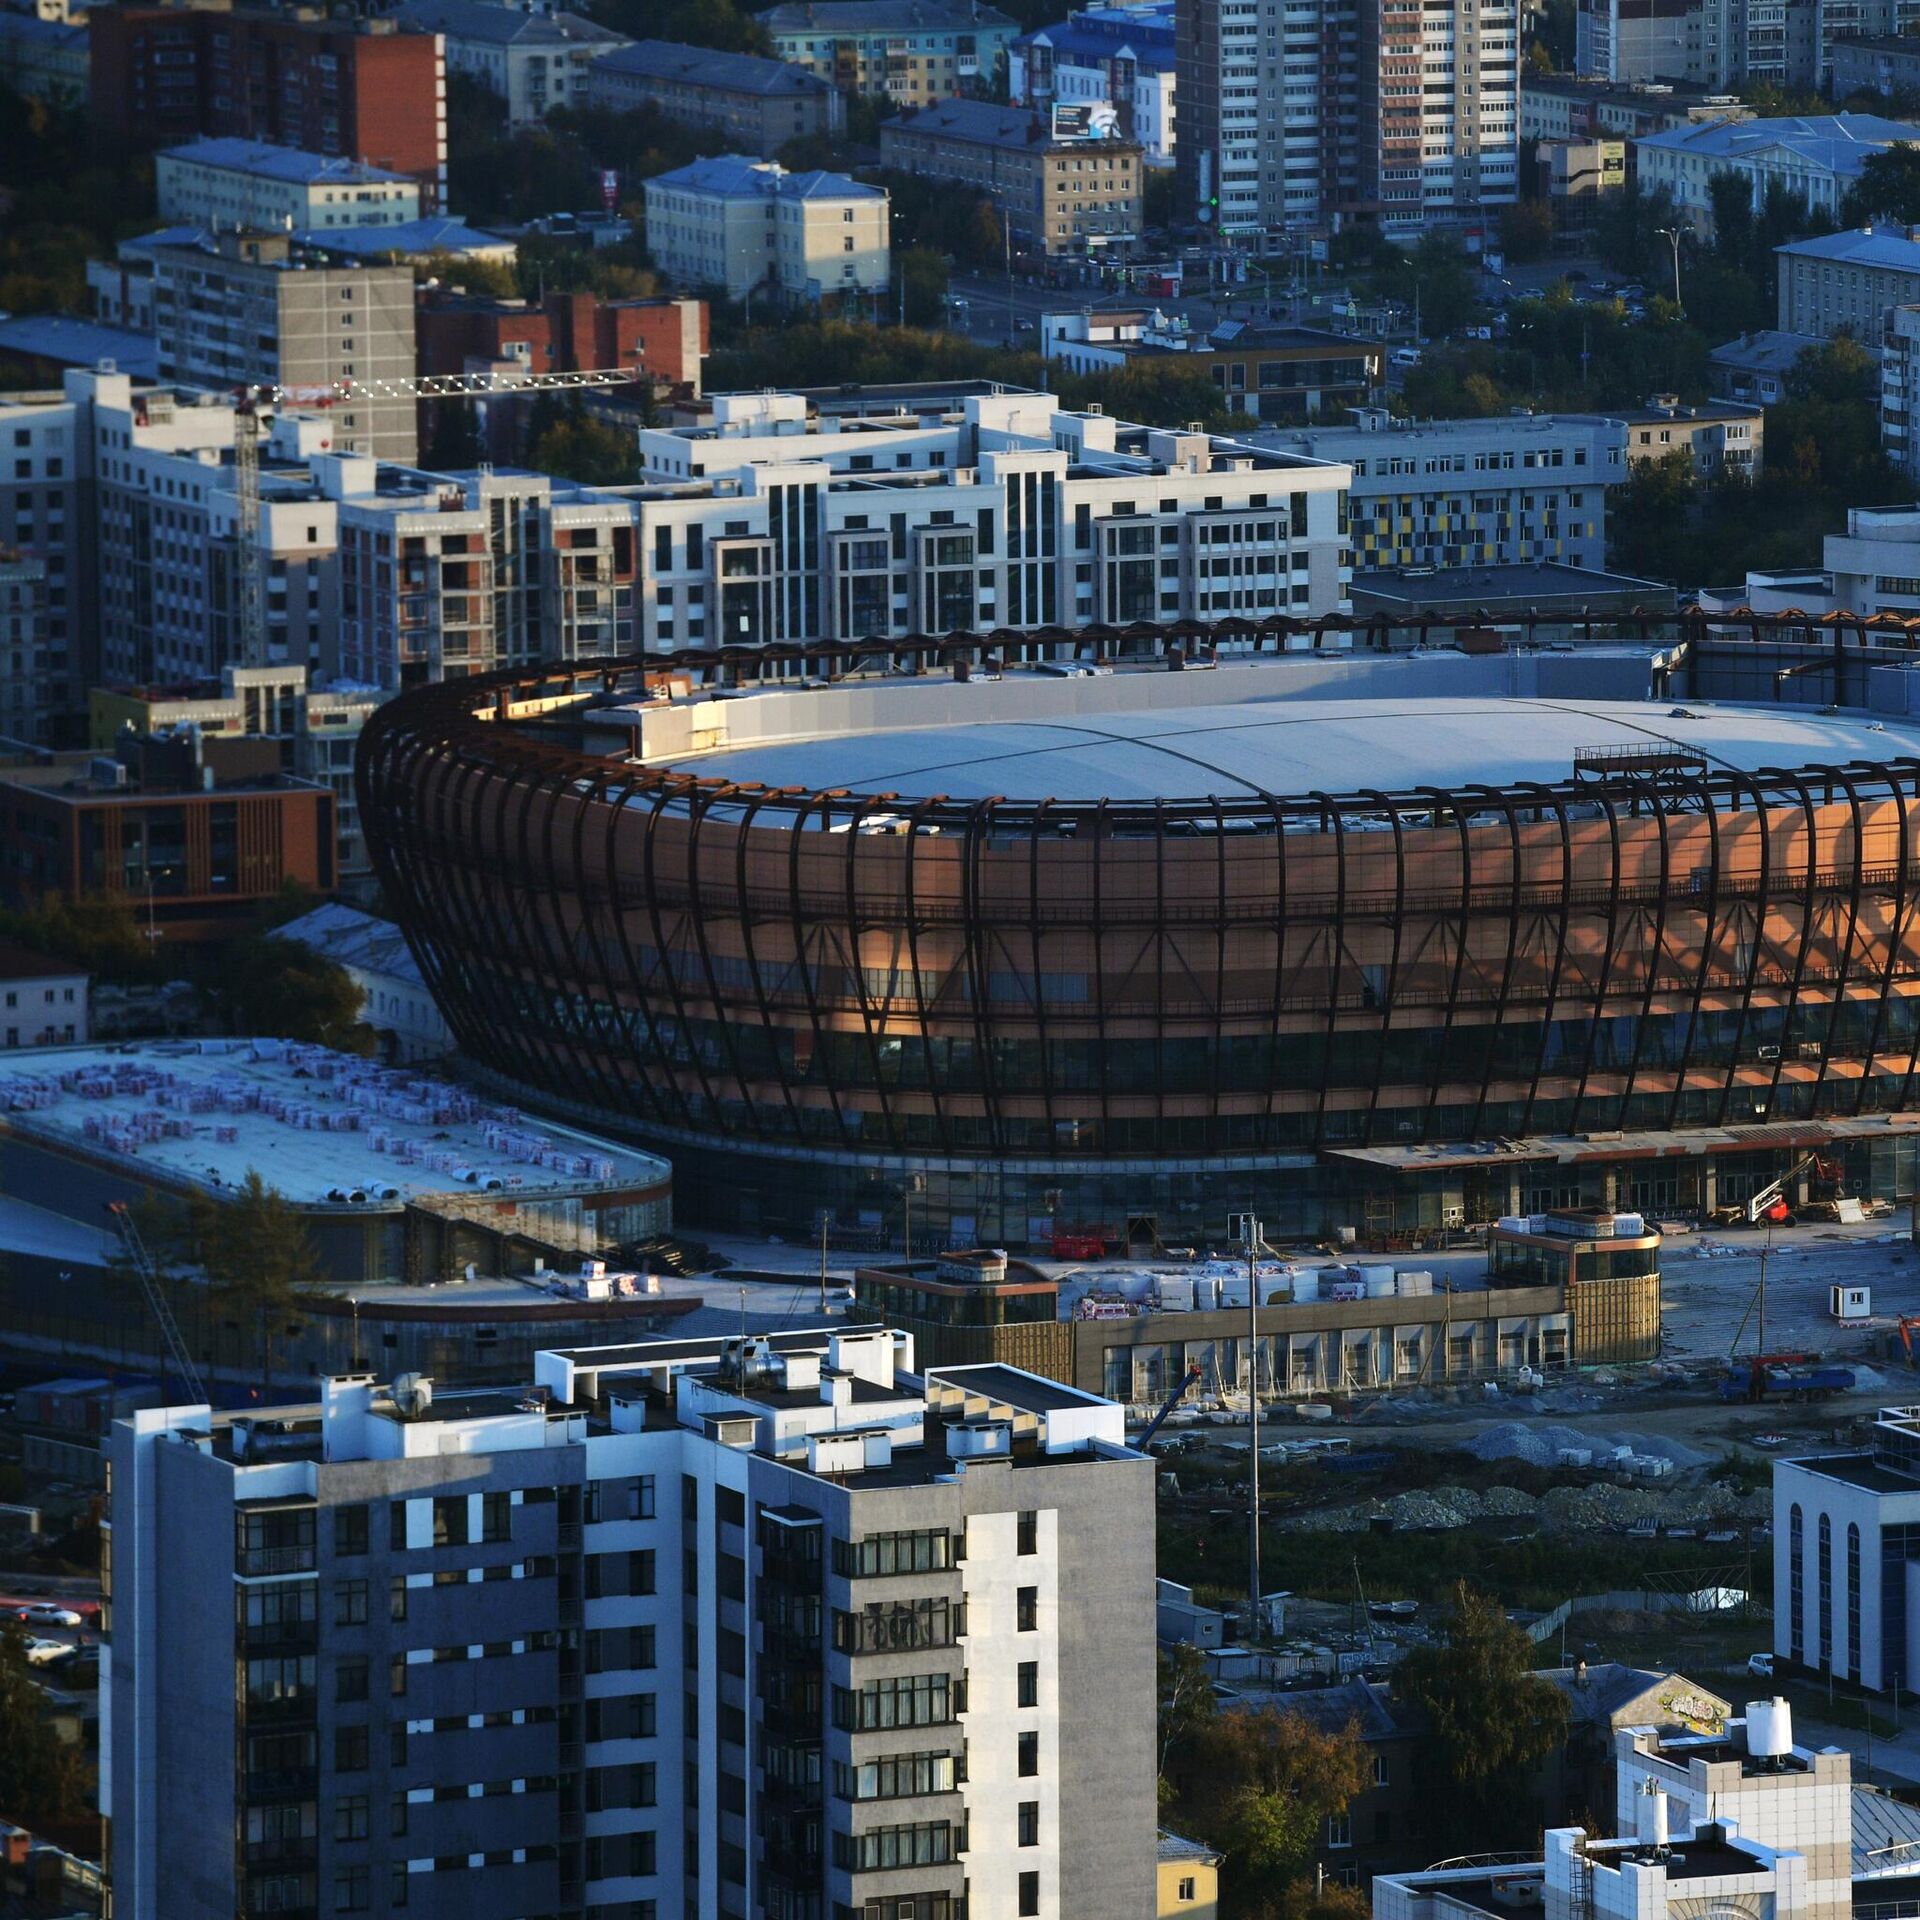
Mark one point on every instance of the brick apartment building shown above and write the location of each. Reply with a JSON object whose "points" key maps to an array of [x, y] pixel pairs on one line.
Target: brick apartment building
{"points": [[359, 90]]}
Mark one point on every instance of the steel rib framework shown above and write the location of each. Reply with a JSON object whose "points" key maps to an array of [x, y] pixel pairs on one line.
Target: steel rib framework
{"points": [[1076, 978]]}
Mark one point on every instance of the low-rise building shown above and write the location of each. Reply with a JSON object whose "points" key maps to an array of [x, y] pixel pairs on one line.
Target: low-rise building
{"points": [[436, 236], [1721, 436], [749, 226], [1565, 106], [912, 51], [43, 1001], [1576, 176], [1816, 158], [194, 836], [1756, 367], [246, 183], [1188, 1879], [44, 59], [1886, 64], [1545, 600], [756, 105], [1268, 373], [1514, 489], [1847, 282], [1872, 568], [397, 1004], [1060, 197], [534, 59], [1121, 57]]}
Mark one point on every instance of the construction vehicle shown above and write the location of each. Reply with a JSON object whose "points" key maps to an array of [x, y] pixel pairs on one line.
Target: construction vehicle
{"points": [[1189, 1380], [1904, 1329], [157, 1304], [251, 403], [1081, 1243], [1769, 1206], [1783, 1376]]}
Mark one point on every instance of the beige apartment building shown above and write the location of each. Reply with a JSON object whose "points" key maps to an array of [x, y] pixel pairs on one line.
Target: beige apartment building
{"points": [[1723, 436], [750, 226], [913, 51], [1059, 197], [1847, 282]]}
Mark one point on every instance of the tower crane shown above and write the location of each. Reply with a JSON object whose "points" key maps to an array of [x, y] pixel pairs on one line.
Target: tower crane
{"points": [[252, 402], [156, 1297]]}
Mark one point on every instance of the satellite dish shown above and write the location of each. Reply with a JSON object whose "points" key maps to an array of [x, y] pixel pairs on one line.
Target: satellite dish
{"points": [[412, 1394]]}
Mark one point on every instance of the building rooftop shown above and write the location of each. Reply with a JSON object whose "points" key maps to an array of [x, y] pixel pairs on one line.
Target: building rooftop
{"points": [[351, 938], [1258, 747], [74, 342], [1839, 142], [502, 26], [1596, 1693], [1176, 1849], [290, 164], [881, 16], [1880, 43], [1886, 1833], [1767, 350], [441, 233], [1512, 588], [1103, 33], [740, 176], [982, 124], [702, 66], [323, 1127], [1892, 249]]}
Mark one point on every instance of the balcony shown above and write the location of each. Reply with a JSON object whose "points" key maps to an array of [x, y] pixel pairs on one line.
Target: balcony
{"points": [[257, 1562]]}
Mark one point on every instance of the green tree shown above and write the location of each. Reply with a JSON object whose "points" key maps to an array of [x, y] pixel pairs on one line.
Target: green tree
{"points": [[923, 275], [42, 1779], [1526, 231], [1491, 1719], [283, 990], [1888, 188], [594, 454], [258, 1258], [1187, 1705]]}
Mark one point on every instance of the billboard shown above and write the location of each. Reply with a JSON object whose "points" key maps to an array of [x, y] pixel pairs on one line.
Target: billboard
{"points": [[1084, 120]]}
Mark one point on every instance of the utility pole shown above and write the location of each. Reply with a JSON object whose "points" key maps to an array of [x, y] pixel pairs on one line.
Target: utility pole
{"points": [[823, 1262], [1672, 237], [1253, 1428]]}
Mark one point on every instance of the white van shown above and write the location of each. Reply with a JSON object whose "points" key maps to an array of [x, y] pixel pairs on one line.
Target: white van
{"points": [[1406, 356]]}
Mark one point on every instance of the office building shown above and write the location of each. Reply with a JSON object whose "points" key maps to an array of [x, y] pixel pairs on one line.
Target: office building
{"points": [[1847, 282], [756, 105], [1062, 196], [194, 836], [1877, 63], [246, 309], [532, 59], [1121, 57], [246, 183], [749, 226], [913, 51], [703, 1600], [1472, 493], [353, 89], [1846, 1558], [1366, 110], [1577, 177], [1720, 436], [1267, 373], [1816, 159]]}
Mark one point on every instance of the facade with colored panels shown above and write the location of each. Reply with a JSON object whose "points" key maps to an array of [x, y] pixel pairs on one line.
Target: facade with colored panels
{"points": [[913, 51]]}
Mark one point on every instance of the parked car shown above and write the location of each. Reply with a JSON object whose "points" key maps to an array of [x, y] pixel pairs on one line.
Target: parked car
{"points": [[43, 1653], [1760, 1665], [47, 1613]]}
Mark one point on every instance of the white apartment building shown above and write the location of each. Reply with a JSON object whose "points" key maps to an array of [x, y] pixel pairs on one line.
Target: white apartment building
{"points": [[1900, 390], [768, 525], [43, 1002], [1847, 282], [396, 1003], [533, 58], [46, 519], [246, 183], [774, 1626], [1718, 44], [749, 226], [441, 576], [1454, 493], [1815, 158]]}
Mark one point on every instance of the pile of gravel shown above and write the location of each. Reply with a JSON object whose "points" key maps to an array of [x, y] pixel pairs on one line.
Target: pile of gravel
{"points": [[1540, 1444]]}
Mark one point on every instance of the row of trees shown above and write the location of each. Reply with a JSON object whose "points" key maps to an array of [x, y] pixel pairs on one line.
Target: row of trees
{"points": [[1261, 1784]]}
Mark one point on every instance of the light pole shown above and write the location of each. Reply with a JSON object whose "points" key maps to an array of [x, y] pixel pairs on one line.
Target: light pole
{"points": [[1672, 237]]}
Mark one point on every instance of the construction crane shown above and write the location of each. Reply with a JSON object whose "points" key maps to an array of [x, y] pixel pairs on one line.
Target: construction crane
{"points": [[1189, 1380], [156, 1294], [250, 403]]}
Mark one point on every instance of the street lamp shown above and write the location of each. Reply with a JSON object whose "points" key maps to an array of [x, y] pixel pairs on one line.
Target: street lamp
{"points": [[1672, 236]]}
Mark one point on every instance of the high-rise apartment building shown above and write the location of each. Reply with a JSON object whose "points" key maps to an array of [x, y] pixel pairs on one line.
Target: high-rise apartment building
{"points": [[350, 89], [690, 1627], [1295, 115], [33, 678], [245, 309]]}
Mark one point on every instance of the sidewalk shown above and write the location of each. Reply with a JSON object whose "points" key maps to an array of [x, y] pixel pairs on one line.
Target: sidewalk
{"points": [[1894, 1761]]}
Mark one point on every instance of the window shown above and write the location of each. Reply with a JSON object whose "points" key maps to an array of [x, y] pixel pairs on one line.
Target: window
{"points": [[1029, 1893], [450, 1520], [1029, 1755], [397, 1597], [1189, 1890], [1027, 1532], [349, 1603], [496, 1517], [397, 1526], [350, 1890], [349, 1749], [1027, 1609], [1380, 1770], [1339, 1830], [350, 1817], [350, 1530], [350, 1680], [1029, 1683], [1797, 1579], [1029, 1823]]}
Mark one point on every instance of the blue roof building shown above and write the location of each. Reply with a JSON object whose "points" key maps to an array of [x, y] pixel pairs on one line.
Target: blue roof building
{"points": [[1815, 157], [1123, 57]]}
